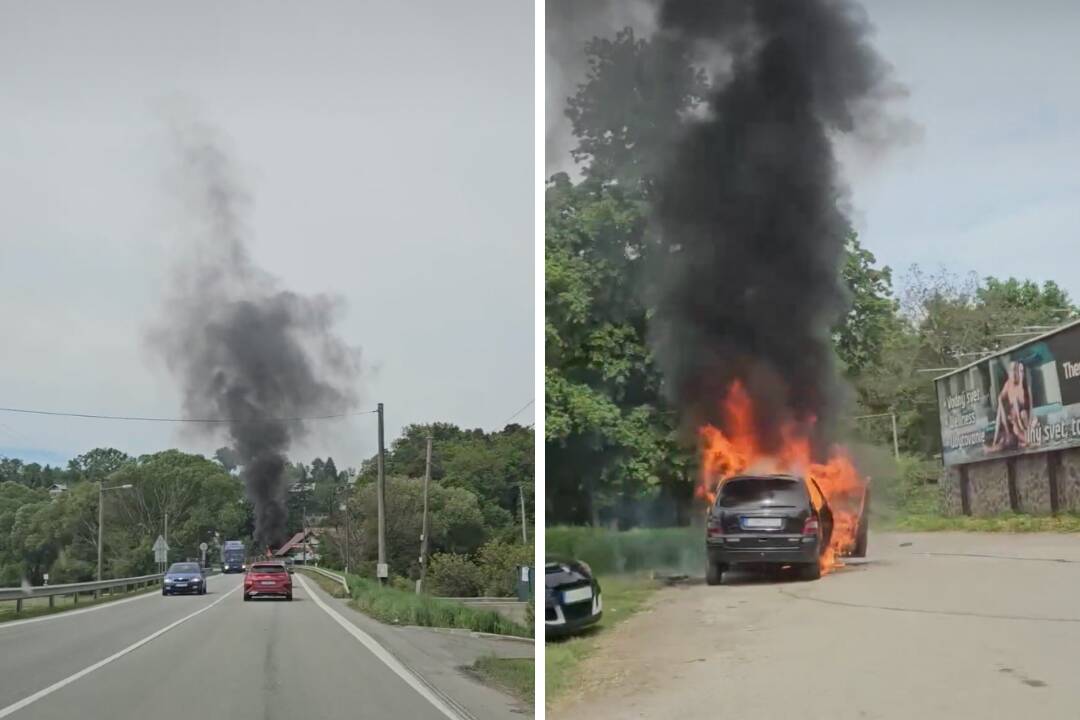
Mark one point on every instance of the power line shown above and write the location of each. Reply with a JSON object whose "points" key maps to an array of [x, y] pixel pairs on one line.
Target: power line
{"points": [[520, 410], [93, 416]]}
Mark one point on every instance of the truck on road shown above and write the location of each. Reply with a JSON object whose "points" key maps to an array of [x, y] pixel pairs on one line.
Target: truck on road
{"points": [[233, 556]]}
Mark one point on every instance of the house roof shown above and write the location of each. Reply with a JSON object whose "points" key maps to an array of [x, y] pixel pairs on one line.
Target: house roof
{"points": [[292, 543]]}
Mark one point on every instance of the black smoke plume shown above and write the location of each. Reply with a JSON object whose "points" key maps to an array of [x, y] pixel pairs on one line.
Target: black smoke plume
{"points": [[751, 206], [243, 348]]}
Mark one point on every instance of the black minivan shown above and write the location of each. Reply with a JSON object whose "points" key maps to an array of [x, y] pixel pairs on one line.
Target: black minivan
{"points": [[766, 520]]}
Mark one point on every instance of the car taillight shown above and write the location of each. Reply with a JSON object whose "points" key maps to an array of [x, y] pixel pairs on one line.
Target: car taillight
{"points": [[714, 528], [810, 527]]}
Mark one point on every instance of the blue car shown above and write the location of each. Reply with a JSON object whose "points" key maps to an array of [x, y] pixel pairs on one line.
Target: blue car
{"points": [[184, 577]]}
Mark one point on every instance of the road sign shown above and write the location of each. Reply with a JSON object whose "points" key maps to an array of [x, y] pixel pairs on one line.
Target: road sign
{"points": [[382, 570], [203, 546], [161, 550]]}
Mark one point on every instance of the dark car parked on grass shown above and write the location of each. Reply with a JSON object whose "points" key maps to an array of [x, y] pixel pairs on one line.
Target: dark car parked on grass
{"points": [[572, 599], [184, 577], [770, 520]]}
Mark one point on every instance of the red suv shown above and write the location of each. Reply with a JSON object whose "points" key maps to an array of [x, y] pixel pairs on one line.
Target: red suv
{"points": [[267, 579]]}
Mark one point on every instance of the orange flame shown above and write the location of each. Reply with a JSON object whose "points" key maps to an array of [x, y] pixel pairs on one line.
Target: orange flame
{"points": [[739, 450]]}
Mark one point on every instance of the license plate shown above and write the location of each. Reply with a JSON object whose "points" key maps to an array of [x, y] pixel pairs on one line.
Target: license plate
{"points": [[577, 595], [763, 523], [267, 582]]}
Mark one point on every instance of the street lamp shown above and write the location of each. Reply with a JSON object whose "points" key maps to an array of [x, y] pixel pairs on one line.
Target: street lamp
{"points": [[101, 518]]}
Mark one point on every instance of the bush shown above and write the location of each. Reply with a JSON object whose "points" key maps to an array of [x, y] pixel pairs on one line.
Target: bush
{"points": [[453, 575], [398, 607], [402, 583], [498, 563], [611, 551]]}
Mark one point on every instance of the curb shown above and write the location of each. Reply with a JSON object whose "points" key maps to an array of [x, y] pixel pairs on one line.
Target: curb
{"points": [[472, 633]]}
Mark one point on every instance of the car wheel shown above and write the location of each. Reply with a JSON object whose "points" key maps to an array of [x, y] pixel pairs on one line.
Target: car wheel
{"points": [[289, 597], [811, 571], [246, 597], [714, 573], [163, 593]]}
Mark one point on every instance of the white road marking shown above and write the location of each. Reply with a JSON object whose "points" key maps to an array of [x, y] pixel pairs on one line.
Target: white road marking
{"points": [[72, 613], [382, 654], [15, 707]]}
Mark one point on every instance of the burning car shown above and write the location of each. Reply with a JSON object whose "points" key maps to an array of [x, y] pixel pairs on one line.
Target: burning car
{"points": [[778, 520], [572, 597]]}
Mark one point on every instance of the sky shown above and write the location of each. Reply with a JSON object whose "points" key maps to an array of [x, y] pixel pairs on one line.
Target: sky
{"points": [[388, 152], [988, 181]]}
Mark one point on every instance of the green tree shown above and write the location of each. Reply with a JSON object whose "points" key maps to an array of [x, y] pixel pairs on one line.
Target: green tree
{"points": [[456, 523], [98, 464], [860, 335], [632, 104]]}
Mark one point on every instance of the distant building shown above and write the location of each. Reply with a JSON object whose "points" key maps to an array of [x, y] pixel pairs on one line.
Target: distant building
{"points": [[57, 489], [302, 487], [303, 547]]}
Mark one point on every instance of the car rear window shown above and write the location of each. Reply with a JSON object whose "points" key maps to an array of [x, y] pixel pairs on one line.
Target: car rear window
{"points": [[268, 568], [742, 491]]}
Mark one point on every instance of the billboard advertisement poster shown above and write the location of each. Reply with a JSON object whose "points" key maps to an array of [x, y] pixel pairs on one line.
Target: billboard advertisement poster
{"points": [[1025, 400]]}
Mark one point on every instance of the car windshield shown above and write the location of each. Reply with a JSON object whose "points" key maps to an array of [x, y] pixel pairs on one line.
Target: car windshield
{"points": [[184, 568], [268, 568], [743, 491]]}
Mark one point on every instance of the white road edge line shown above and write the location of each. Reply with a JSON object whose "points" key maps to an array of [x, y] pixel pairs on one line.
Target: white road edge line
{"points": [[382, 654], [15, 707]]}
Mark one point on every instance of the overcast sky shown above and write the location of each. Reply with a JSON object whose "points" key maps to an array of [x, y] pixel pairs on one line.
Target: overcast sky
{"points": [[991, 184], [388, 151]]}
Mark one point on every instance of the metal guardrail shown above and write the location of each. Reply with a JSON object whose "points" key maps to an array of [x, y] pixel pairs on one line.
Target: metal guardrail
{"points": [[18, 594], [327, 573]]}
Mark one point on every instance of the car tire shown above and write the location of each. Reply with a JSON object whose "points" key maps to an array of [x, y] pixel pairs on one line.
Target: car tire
{"points": [[289, 597], [163, 593], [810, 571], [246, 597], [714, 573]]}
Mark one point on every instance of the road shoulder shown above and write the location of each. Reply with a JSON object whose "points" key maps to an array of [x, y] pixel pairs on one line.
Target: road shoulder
{"points": [[443, 660]]}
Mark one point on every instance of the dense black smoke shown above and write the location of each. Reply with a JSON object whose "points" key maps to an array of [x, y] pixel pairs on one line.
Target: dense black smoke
{"points": [[243, 348], [751, 206]]}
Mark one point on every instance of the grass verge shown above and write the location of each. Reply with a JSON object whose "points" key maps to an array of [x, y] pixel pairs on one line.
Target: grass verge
{"points": [[516, 676], [623, 595], [1007, 523], [400, 607], [612, 552], [35, 607]]}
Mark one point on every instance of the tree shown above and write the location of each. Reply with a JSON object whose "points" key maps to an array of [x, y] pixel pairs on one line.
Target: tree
{"points": [[456, 523], [98, 464], [633, 102], [860, 335]]}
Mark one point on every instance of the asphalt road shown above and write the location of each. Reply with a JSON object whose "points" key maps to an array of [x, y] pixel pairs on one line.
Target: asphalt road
{"points": [[928, 626], [212, 656]]}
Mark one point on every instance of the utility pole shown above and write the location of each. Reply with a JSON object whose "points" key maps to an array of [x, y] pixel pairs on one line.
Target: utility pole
{"points": [[895, 438], [380, 491], [424, 523], [524, 517], [166, 539], [100, 525]]}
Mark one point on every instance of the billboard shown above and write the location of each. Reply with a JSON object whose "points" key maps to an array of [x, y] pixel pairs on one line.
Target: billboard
{"points": [[1024, 400]]}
